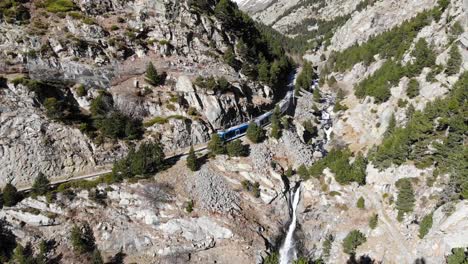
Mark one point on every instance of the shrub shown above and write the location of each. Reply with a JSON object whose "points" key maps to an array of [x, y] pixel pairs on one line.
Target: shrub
{"points": [[97, 257], [303, 172], [254, 188], [156, 120], [56, 6], [361, 203], [353, 240], [413, 88], [273, 258], [255, 133], [81, 90], [458, 256], [373, 221], [236, 149], [189, 206], [425, 225]]}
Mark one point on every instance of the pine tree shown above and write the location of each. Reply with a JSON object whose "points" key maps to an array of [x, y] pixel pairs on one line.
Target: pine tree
{"points": [[303, 172], [10, 195], [317, 95], [41, 185], [216, 145], [152, 76], [405, 200], [263, 71], [192, 162], [275, 123], [425, 225], [373, 221], [455, 60], [255, 133]]}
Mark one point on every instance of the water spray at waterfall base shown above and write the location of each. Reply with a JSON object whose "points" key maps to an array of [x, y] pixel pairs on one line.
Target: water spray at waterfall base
{"points": [[288, 251]]}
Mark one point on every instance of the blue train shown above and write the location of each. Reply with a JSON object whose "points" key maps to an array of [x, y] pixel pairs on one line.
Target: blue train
{"points": [[263, 120]]}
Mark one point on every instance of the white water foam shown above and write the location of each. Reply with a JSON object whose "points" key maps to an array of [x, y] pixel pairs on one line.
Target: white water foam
{"points": [[288, 250]]}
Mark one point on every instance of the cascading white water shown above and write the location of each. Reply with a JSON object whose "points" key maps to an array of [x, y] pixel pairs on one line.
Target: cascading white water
{"points": [[288, 249]]}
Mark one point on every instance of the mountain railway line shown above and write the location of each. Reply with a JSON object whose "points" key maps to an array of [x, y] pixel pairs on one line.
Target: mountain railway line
{"points": [[237, 132]]}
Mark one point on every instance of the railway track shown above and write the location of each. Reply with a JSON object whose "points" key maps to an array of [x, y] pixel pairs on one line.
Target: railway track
{"points": [[181, 154]]}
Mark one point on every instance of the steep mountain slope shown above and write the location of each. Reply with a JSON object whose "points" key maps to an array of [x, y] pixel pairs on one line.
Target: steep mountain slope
{"points": [[84, 49], [375, 143]]}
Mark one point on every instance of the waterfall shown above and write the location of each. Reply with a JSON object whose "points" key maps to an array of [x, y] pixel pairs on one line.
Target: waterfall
{"points": [[288, 250]]}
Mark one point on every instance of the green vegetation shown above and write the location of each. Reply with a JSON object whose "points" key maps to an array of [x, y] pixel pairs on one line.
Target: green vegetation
{"points": [[253, 188], [56, 6], [338, 162], [236, 149], [10, 195], [361, 203], [455, 60], [425, 225], [213, 84], [327, 244], [189, 206], [153, 77], [373, 221], [305, 78], [192, 161], [81, 90], [458, 256], [303, 172], [40, 185], [405, 200], [13, 11], [273, 258], [353, 240], [390, 44], [440, 125], [8, 241], [275, 123], [82, 239], [255, 133], [216, 145], [413, 88], [258, 54], [147, 160], [112, 123]]}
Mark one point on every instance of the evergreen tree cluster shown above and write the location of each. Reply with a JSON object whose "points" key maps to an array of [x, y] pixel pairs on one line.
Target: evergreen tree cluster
{"points": [[40, 185], [10, 195], [390, 44], [339, 163], [443, 125], [257, 53], [234, 148], [305, 78], [212, 84], [276, 126], [353, 240], [148, 159], [378, 84], [111, 122]]}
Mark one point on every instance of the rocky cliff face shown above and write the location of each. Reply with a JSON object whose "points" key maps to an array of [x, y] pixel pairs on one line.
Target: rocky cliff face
{"points": [[107, 45], [233, 209]]}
